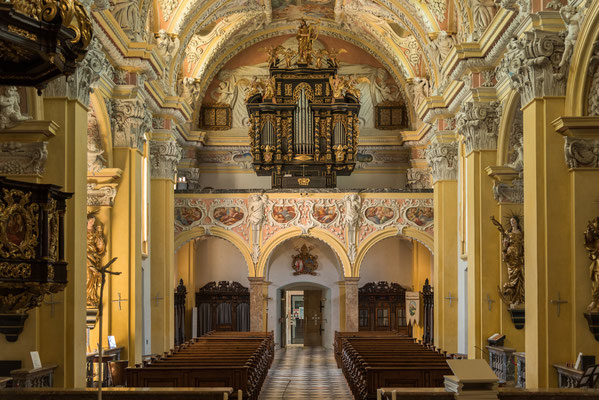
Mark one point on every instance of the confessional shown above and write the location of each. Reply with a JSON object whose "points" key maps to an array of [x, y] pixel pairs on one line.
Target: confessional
{"points": [[223, 306]]}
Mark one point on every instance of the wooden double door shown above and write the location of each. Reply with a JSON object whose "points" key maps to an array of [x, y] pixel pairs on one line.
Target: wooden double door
{"points": [[302, 323]]}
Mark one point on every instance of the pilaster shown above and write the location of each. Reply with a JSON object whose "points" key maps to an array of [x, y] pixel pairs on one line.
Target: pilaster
{"points": [[165, 153], [478, 124], [351, 304], [442, 157], [257, 306]]}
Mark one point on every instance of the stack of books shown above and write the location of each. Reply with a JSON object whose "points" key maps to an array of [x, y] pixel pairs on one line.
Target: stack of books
{"points": [[473, 379]]}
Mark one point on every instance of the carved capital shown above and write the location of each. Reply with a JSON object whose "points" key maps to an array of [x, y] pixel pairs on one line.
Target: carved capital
{"points": [[479, 124], [130, 121], [443, 160], [164, 157], [192, 177], [18, 158], [581, 153], [78, 85], [512, 192], [534, 65], [418, 179], [101, 195]]}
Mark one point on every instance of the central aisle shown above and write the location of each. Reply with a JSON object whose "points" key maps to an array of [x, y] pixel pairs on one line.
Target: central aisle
{"points": [[308, 373]]}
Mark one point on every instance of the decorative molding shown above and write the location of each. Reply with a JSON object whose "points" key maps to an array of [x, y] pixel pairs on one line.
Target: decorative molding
{"points": [[23, 158], [130, 122], [164, 157], [101, 195], [479, 124], [509, 192], [443, 160], [418, 178]]}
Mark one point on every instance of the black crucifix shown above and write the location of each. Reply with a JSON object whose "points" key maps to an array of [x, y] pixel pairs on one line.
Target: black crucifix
{"points": [[558, 303], [119, 300], [450, 298], [490, 302], [52, 303]]}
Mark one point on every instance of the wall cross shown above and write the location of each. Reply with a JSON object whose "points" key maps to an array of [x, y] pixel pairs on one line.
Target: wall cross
{"points": [[558, 303], [157, 298], [52, 305], [119, 300], [450, 298], [316, 319], [490, 302]]}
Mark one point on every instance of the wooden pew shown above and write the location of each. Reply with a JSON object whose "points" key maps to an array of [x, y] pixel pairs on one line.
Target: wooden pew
{"points": [[218, 359], [370, 361]]}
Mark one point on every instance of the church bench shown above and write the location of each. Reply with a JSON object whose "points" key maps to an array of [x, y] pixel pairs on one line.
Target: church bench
{"points": [[237, 359], [367, 335], [208, 393], [372, 363]]}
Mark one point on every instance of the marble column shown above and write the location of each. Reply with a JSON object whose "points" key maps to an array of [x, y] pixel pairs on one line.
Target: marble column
{"points": [[257, 306], [351, 304]]}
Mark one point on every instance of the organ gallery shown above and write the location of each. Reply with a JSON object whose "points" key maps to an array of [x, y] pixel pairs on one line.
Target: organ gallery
{"points": [[300, 199]]}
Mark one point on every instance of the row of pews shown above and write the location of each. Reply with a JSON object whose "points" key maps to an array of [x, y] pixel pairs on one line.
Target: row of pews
{"points": [[218, 359], [372, 360]]}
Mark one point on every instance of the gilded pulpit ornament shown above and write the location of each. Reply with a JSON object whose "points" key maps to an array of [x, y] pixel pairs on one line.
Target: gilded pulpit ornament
{"points": [[512, 251], [591, 244], [304, 263], [304, 124]]}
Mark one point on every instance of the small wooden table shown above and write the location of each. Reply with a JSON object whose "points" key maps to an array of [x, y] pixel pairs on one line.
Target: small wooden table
{"points": [[567, 376]]}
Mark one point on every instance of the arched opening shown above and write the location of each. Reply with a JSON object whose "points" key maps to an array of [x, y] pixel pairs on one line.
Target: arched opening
{"points": [[311, 318]]}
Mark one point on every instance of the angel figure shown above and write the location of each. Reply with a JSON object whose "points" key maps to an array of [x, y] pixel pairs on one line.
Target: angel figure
{"points": [[10, 110], [591, 244], [334, 56], [419, 90], [442, 45], [512, 250], [336, 84], [269, 89], [317, 57], [289, 54], [273, 55], [572, 18]]}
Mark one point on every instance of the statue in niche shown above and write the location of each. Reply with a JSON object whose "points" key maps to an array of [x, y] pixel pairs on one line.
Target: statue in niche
{"points": [[306, 34], [591, 243], [10, 110], [512, 254], [96, 249]]}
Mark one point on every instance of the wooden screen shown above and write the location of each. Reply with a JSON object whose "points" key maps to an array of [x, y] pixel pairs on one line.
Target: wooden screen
{"points": [[223, 307], [382, 307]]}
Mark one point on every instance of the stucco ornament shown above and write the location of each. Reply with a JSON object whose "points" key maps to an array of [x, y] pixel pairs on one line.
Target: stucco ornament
{"points": [[420, 91], [128, 123], [167, 45], [351, 217], [483, 12], [168, 6], [581, 153], [192, 177], [95, 160], [479, 124], [126, 13], [164, 157], [100, 195], [10, 109], [18, 158], [441, 46], [572, 17], [438, 8], [418, 178]]}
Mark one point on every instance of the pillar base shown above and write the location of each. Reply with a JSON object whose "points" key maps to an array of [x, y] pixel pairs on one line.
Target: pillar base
{"points": [[593, 320], [517, 314], [11, 325]]}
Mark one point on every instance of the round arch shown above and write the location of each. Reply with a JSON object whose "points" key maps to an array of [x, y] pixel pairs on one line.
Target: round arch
{"points": [[577, 89], [186, 236], [416, 234], [99, 106], [317, 233], [512, 106]]}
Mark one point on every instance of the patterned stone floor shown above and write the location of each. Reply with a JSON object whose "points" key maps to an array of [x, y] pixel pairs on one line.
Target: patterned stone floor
{"points": [[305, 373]]}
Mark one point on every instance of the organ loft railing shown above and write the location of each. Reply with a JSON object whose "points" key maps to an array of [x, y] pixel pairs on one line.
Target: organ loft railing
{"points": [[304, 117]]}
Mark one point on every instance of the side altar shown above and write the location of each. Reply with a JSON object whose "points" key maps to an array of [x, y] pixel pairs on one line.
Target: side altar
{"points": [[303, 118]]}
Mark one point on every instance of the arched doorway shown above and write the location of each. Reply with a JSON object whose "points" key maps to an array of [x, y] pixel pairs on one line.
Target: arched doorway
{"points": [[312, 299]]}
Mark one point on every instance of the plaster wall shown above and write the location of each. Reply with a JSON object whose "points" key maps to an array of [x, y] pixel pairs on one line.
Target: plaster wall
{"points": [[218, 260], [388, 260], [280, 275]]}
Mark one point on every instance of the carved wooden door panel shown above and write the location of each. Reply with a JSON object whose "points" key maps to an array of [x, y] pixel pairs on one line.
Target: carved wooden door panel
{"points": [[312, 318]]}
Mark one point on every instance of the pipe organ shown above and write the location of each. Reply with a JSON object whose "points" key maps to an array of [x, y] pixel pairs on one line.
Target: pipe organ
{"points": [[303, 123]]}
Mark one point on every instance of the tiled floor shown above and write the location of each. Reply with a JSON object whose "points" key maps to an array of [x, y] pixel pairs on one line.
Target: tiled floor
{"points": [[305, 373]]}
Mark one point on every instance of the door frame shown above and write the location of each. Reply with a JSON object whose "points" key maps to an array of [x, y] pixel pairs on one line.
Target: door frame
{"points": [[288, 294]]}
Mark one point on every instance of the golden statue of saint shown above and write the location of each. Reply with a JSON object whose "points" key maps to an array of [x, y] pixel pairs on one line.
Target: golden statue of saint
{"points": [[96, 248], [306, 34], [512, 249], [591, 243]]}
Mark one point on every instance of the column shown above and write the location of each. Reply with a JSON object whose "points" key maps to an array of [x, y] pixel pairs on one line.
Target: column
{"points": [[442, 157], [547, 255], [165, 153], [351, 304], [478, 124], [130, 123], [257, 306]]}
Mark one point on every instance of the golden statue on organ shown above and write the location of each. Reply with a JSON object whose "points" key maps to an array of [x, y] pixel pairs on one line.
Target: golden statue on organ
{"points": [[303, 117]]}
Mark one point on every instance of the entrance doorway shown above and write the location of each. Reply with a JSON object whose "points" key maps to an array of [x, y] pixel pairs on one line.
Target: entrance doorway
{"points": [[302, 324]]}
